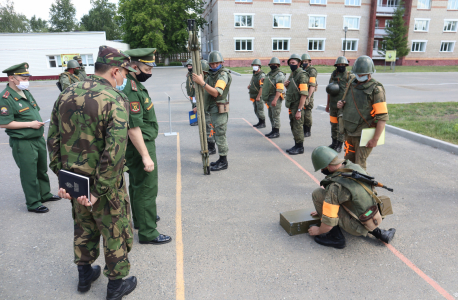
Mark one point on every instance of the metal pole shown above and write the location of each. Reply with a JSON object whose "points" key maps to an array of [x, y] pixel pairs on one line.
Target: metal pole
{"points": [[170, 121]]}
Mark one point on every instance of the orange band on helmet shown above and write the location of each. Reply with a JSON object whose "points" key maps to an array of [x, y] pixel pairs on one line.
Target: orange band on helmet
{"points": [[220, 84], [312, 80], [303, 87], [330, 210], [280, 86], [380, 108], [334, 120]]}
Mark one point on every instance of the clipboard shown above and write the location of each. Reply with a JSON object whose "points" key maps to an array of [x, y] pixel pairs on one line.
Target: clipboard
{"points": [[368, 133]]}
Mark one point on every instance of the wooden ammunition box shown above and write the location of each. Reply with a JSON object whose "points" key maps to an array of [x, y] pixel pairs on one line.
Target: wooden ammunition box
{"points": [[298, 221]]}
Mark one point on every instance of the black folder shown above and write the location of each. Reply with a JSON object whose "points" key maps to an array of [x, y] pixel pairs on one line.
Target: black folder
{"points": [[76, 185]]}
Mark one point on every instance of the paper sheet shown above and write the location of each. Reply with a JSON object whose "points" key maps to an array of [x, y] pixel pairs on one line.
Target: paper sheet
{"points": [[368, 134]]}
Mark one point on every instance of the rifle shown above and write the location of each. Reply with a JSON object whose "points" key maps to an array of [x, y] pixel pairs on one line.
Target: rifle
{"points": [[366, 179]]}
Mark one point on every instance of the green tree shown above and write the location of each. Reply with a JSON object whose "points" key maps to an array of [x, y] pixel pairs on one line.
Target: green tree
{"points": [[11, 21], [396, 38], [101, 18], [62, 16], [38, 25]]}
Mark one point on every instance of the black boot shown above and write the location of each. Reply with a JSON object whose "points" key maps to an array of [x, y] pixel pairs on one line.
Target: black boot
{"points": [[307, 132], [275, 133], [211, 148], [338, 146], [261, 124], [270, 133], [298, 149], [118, 288], [333, 144], [214, 163], [333, 238], [86, 276], [384, 235], [221, 164], [292, 148]]}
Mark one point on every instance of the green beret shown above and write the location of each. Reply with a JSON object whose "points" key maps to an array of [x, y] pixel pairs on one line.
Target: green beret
{"points": [[114, 57], [144, 55], [19, 69], [77, 57]]}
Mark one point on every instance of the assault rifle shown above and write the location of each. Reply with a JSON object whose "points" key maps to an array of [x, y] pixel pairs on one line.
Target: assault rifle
{"points": [[366, 179]]}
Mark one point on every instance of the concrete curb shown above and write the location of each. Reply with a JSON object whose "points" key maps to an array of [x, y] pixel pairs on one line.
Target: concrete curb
{"points": [[416, 137]]}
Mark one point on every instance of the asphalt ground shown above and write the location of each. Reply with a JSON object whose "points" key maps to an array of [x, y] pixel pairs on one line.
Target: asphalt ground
{"points": [[228, 243]]}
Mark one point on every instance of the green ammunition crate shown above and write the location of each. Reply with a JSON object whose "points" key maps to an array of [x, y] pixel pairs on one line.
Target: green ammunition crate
{"points": [[298, 221]]}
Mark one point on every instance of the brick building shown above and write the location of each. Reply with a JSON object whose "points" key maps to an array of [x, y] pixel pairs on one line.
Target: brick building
{"points": [[246, 29]]}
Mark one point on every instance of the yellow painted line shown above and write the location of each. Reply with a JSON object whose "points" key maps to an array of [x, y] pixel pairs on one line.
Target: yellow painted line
{"points": [[179, 233]]}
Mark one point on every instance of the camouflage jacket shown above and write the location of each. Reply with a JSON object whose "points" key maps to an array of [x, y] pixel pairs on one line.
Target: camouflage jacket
{"points": [[66, 79], [88, 133]]}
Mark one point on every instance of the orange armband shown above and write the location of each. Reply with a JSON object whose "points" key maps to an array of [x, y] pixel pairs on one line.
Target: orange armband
{"points": [[303, 87], [220, 84], [312, 80], [334, 120], [280, 86], [379, 108], [330, 210]]}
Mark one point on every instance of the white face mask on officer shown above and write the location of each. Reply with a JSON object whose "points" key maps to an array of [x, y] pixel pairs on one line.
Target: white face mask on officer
{"points": [[255, 68], [362, 78], [23, 85]]}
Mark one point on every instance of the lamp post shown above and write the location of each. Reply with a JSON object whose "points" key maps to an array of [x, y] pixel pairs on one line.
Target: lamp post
{"points": [[345, 43]]}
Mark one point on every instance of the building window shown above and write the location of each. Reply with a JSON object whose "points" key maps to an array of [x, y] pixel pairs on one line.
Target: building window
{"points": [[450, 25], [424, 4], [421, 25], [377, 21], [350, 45], [388, 23], [452, 4], [353, 2], [418, 46], [447, 46], [375, 47], [54, 61], [322, 2], [243, 44], [280, 44], [87, 60], [282, 21], [352, 23], [282, 1], [243, 0], [316, 44], [242, 20], [317, 22]]}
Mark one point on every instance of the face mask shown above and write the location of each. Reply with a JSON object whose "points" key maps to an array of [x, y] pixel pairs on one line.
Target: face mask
{"points": [[216, 69], [121, 87], [76, 72], [340, 69], [255, 68], [362, 78], [81, 64], [293, 67], [23, 85], [305, 65], [142, 77], [273, 68], [190, 70], [325, 172]]}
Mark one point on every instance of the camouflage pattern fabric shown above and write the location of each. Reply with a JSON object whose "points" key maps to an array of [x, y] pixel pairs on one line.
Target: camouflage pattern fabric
{"points": [[297, 88], [312, 73], [66, 79], [190, 90], [114, 57], [335, 134], [354, 152], [210, 129], [82, 75], [255, 86]]}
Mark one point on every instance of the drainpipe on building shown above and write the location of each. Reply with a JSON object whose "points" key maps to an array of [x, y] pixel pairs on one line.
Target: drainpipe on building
{"points": [[373, 17], [407, 14]]}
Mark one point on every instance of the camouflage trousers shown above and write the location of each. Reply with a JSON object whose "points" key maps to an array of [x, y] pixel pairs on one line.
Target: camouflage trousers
{"points": [[335, 134], [308, 112], [274, 112], [110, 218], [210, 129], [354, 152], [346, 222], [258, 108], [219, 122], [297, 126]]}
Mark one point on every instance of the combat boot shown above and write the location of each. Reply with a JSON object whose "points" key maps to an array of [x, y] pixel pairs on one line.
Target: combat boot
{"points": [[118, 288], [86, 276], [338, 146], [384, 235], [215, 162], [221, 164], [334, 238], [333, 144], [275, 133], [298, 149], [307, 132], [292, 148], [261, 124], [270, 133], [211, 148]]}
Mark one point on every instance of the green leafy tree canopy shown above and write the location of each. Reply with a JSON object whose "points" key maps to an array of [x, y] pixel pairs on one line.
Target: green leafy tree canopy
{"points": [[62, 16], [101, 17], [396, 38], [38, 25], [11, 21]]}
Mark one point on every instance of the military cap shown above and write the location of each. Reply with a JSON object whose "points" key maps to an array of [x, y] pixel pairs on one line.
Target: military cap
{"points": [[114, 57], [77, 57], [19, 69], [144, 55]]}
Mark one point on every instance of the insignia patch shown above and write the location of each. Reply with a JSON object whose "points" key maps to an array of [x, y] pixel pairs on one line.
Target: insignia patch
{"points": [[24, 109], [134, 85], [16, 99], [6, 94], [146, 100], [4, 111], [149, 107], [135, 107], [19, 103]]}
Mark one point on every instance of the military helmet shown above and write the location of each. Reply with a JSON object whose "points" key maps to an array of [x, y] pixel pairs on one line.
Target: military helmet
{"points": [[294, 56], [71, 64], [305, 56], [341, 60], [205, 66], [215, 56], [363, 65], [274, 61], [333, 89], [189, 62], [256, 62], [322, 157]]}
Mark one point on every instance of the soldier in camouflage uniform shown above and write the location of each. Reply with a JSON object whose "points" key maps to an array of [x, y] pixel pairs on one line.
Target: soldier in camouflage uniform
{"points": [[216, 94], [272, 94], [70, 76], [190, 90], [339, 192], [364, 106], [312, 85], [255, 92], [88, 136], [296, 95], [82, 72]]}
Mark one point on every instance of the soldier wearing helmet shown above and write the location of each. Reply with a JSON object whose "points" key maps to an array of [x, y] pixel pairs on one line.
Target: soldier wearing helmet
{"points": [[341, 198], [272, 94], [340, 78], [255, 92], [216, 102], [364, 106], [70, 75], [82, 73], [312, 85], [190, 90]]}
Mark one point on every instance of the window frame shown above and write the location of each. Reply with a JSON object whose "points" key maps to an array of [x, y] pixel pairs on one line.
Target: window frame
{"points": [[359, 22], [316, 39], [282, 1], [85, 57], [418, 41], [243, 1], [421, 19], [456, 5], [354, 5], [283, 39], [450, 20], [325, 2], [352, 40], [246, 39], [282, 15], [376, 42], [428, 8], [453, 47], [321, 16], [245, 15]]}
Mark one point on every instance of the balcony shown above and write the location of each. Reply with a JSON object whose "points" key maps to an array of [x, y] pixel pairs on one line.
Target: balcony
{"points": [[385, 10], [376, 55], [379, 32]]}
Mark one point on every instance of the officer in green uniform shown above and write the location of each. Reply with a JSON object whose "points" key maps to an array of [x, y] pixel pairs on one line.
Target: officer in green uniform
{"points": [[312, 74], [216, 102], [190, 90], [82, 72], [340, 77], [272, 94], [19, 114], [141, 148], [340, 191], [88, 136], [255, 92], [296, 95], [364, 106], [70, 75]]}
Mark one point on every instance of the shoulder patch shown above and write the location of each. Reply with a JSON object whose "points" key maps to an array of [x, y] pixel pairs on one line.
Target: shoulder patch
{"points": [[6, 94], [134, 85], [4, 111], [135, 107]]}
